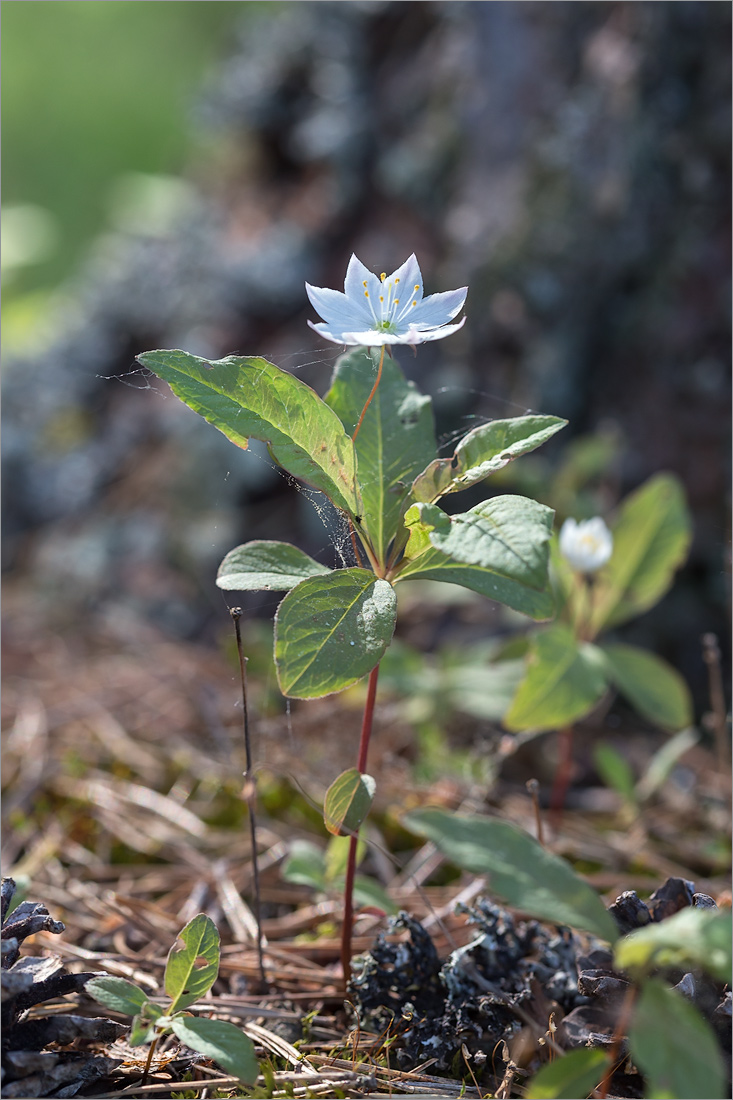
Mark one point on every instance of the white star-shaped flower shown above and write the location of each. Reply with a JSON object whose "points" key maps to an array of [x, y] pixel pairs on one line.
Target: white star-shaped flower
{"points": [[382, 309], [587, 545]]}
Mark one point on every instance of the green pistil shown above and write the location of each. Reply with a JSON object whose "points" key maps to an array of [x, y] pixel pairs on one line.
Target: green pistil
{"points": [[386, 326]]}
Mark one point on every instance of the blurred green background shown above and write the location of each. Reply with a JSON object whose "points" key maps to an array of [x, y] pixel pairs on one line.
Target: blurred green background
{"points": [[93, 90]]}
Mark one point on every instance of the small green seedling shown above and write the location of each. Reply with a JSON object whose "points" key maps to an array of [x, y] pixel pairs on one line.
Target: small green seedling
{"points": [[191, 970]]}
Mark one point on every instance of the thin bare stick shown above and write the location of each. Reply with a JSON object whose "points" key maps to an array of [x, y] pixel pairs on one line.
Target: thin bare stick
{"points": [[562, 774], [622, 1026], [366, 732], [534, 789], [249, 792], [371, 395], [711, 656]]}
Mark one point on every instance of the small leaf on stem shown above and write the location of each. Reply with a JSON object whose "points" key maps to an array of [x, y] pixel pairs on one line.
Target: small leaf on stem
{"points": [[191, 969], [348, 801]]}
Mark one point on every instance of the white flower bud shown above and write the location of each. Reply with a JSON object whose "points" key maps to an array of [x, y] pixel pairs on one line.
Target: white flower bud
{"points": [[587, 545]]}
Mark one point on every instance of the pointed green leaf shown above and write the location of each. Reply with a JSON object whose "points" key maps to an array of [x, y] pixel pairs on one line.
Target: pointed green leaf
{"points": [[348, 801], [521, 871], [615, 771], [305, 865], [248, 397], [652, 686], [482, 452], [367, 891], [224, 1043], [690, 940], [651, 537], [572, 1077], [500, 548], [192, 968], [395, 441], [264, 565], [117, 994], [330, 631], [564, 681], [674, 1047]]}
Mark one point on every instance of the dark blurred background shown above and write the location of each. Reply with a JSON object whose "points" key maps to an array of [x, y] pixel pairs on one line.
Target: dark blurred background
{"points": [[175, 172]]}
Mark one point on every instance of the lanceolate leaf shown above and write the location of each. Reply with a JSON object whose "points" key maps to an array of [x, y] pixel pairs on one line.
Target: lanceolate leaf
{"points": [[262, 565], [117, 994], [229, 1047], [674, 1047], [330, 631], [564, 681], [520, 870], [395, 441], [651, 685], [482, 452], [191, 969], [499, 548], [651, 537], [246, 396], [347, 802]]}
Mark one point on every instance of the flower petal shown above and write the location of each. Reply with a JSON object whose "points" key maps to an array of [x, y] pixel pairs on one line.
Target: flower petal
{"points": [[335, 335], [422, 336], [407, 281], [336, 309], [437, 309], [362, 285]]}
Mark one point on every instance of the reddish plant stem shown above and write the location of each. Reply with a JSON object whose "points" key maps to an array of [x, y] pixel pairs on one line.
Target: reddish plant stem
{"points": [[371, 395], [562, 774], [366, 732], [621, 1029]]}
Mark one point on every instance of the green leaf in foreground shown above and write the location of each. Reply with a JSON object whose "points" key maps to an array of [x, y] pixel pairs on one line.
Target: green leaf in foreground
{"points": [[247, 396], [564, 681], [482, 452], [117, 994], [330, 631], [572, 1077], [500, 548], [652, 686], [192, 968], [674, 1048], [264, 565], [691, 939], [229, 1047], [396, 439], [348, 801], [520, 871]]}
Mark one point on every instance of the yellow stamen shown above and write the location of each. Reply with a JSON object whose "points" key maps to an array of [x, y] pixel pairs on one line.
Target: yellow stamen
{"points": [[383, 276]]}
